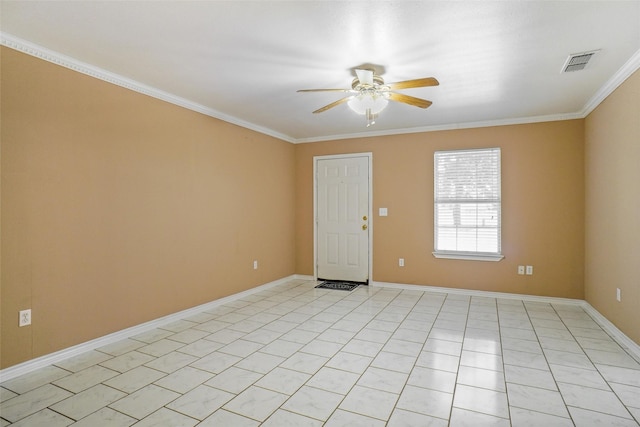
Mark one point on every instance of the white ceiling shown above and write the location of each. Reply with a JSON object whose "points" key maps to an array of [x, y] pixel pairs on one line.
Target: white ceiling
{"points": [[497, 62]]}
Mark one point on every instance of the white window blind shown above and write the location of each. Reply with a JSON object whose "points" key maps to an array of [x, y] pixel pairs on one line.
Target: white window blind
{"points": [[467, 204]]}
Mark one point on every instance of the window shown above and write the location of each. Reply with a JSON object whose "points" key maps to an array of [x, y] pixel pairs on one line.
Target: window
{"points": [[467, 204]]}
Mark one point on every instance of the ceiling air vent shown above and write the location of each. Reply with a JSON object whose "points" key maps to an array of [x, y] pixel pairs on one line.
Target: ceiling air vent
{"points": [[577, 61]]}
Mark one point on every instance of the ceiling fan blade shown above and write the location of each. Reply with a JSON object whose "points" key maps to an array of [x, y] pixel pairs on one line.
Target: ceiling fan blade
{"points": [[365, 77], [324, 90], [333, 104], [407, 84], [411, 100]]}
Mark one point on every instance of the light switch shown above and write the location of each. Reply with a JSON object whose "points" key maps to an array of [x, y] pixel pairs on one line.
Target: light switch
{"points": [[382, 212]]}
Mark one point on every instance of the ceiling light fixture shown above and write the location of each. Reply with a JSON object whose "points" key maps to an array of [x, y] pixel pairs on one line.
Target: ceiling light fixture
{"points": [[369, 102]]}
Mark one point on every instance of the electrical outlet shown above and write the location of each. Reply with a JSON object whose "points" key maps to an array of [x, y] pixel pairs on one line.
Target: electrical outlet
{"points": [[529, 270], [25, 318], [255, 264], [521, 270], [401, 262], [618, 296]]}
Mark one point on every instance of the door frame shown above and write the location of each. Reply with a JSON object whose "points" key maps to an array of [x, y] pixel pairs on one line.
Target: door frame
{"points": [[369, 156]]}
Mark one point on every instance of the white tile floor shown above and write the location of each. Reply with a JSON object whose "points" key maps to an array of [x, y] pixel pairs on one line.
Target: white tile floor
{"points": [[298, 356]]}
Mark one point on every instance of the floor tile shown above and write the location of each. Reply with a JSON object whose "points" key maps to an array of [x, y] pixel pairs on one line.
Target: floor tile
{"points": [[426, 402], [578, 376], [171, 362], [216, 362], [200, 402], [256, 403], [350, 362], [83, 361], [374, 335], [160, 347], [263, 336], [402, 418], [481, 400], [44, 418], [321, 348], [188, 336], [619, 359], [370, 402], [630, 396], [432, 379], [282, 348], [483, 378], [33, 380], [525, 359], [592, 399], [536, 399], [364, 348], [382, 379], [151, 336], [282, 418], [234, 380], [333, 380], [439, 361], [585, 418], [530, 377], [226, 418], [178, 325], [342, 418], [6, 394], [144, 401], [475, 359], [225, 336], [85, 379], [32, 402], [200, 348], [87, 401], [411, 335], [164, 417], [619, 375], [185, 379], [127, 361], [394, 362], [260, 362], [313, 402], [106, 417], [241, 348], [135, 379], [565, 358], [405, 348], [283, 381], [525, 418], [465, 418]]}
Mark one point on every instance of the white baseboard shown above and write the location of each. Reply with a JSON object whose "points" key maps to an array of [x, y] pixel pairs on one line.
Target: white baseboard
{"points": [[470, 292], [50, 359], [625, 342]]}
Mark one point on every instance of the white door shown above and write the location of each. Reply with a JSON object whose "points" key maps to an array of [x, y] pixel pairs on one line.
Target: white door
{"points": [[342, 215]]}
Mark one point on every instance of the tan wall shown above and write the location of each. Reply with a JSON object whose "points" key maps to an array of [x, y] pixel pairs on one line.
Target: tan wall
{"points": [[612, 135], [118, 208], [543, 205]]}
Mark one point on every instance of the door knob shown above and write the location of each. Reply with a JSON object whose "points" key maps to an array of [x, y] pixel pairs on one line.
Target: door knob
{"points": [[364, 218], [364, 226]]}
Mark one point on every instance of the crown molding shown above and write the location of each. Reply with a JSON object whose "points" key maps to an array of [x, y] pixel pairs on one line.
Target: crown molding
{"points": [[16, 43], [48, 55], [630, 67], [452, 126]]}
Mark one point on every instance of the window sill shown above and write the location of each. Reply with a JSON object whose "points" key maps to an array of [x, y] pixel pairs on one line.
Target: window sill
{"points": [[468, 256]]}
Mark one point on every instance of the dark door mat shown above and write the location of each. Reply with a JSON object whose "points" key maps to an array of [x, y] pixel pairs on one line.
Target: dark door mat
{"points": [[339, 286]]}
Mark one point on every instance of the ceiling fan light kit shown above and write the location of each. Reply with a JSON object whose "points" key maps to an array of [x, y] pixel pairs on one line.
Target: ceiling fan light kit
{"points": [[369, 95]]}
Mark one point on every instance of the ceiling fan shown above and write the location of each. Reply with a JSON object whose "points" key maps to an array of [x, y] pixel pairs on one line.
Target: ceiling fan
{"points": [[369, 94]]}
